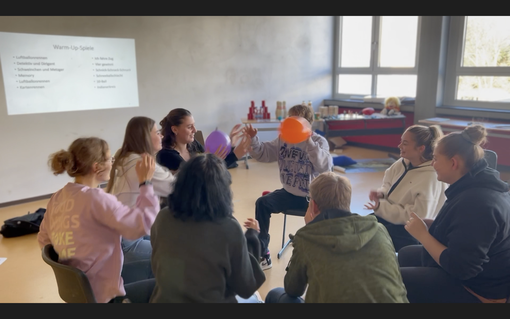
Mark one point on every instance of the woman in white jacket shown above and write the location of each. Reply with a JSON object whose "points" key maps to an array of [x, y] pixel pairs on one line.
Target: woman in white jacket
{"points": [[409, 185], [142, 136]]}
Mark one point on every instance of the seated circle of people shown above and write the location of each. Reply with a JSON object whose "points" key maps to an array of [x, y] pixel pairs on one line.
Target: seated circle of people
{"points": [[440, 206]]}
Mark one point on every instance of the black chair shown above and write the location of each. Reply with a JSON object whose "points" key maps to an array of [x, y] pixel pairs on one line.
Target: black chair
{"points": [[73, 284], [291, 212], [200, 137], [492, 158]]}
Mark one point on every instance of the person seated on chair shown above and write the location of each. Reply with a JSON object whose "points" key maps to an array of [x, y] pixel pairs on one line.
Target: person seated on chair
{"points": [[298, 165], [464, 256], [179, 143], [342, 257], [200, 254], [85, 225], [409, 185], [141, 136]]}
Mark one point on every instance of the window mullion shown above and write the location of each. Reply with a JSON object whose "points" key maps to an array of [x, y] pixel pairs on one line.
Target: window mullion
{"points": [[354, 70], [395, 71], [375, 53]]}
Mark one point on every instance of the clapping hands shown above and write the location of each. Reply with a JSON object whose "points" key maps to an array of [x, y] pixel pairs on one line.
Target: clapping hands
{"points": [[236, 133], [416, 226], [374, 197]]}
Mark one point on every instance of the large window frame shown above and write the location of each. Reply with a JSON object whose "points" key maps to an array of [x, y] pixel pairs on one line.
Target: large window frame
{"points": [[454, 69], [374, 69]]}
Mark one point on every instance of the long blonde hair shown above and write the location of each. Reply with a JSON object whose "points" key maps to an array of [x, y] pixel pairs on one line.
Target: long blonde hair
{"points": [[137, 140]]}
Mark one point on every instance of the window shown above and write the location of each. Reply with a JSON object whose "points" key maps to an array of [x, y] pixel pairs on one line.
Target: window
{"points": [[478, 63], [376, 56]]}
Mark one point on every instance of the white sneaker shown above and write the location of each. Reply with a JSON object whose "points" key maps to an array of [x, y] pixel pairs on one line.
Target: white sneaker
{"points": [[265, 262]]}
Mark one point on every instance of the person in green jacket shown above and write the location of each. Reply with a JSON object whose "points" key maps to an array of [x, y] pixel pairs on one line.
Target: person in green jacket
{"points": [[342, 257]]}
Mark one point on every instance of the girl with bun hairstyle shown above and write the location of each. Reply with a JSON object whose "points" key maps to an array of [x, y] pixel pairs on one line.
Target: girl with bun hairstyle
{"points": [[465, 251], [85, 225]]}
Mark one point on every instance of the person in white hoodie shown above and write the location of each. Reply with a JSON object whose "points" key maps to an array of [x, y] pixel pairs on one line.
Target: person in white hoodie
{"points": [[409, 185], [142, 136]]}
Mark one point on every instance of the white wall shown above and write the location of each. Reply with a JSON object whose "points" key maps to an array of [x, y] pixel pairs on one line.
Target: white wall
{"points": [[213, 66]]}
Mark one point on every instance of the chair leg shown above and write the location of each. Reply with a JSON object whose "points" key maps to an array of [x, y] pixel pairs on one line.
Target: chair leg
{"points": [[284, 244], [284, 222], [280, 253]]}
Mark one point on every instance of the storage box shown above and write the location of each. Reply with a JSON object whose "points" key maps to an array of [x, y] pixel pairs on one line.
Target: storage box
{"points": [[336, 142]]}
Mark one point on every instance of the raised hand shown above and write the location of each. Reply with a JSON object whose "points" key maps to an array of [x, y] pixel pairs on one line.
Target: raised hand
{"points": [[222, 152], [236, 133], [374, 196], [145, 168], [416, 226], [371, 206], [243, 147], [251, 130], [252, 223]]}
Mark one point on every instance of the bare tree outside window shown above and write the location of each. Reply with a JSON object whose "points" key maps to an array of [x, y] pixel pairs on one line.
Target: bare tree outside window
{"points": [[486, 45]]}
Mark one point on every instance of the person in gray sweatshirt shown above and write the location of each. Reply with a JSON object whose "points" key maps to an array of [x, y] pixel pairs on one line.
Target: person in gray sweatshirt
{"points": [[298, 164]]}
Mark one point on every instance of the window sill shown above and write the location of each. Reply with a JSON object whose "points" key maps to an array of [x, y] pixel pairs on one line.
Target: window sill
{"points": [[473, 112], [361, 105]]}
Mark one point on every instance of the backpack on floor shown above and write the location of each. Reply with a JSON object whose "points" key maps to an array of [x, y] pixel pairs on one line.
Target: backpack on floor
{"points": [[23, 225]]}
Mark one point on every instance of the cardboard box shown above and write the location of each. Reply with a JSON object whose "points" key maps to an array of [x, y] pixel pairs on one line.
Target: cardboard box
{"points": [[336, 142]]}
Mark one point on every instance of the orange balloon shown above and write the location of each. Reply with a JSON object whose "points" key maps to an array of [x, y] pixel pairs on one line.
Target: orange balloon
{"points": [[295, 130]]}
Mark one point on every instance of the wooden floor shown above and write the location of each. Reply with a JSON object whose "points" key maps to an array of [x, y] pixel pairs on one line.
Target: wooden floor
{"points": [[25, 278]]}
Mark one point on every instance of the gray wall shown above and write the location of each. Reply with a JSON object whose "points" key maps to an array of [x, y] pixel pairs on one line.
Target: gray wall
{"points": [[213, 66]]}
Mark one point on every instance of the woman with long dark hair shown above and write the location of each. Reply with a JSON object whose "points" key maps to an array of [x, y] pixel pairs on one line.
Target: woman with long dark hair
{"points": [[179, 143], [200, 253]]}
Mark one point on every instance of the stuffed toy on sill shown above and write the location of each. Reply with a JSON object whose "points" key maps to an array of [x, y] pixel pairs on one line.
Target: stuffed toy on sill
{"points": [[391, 106]]}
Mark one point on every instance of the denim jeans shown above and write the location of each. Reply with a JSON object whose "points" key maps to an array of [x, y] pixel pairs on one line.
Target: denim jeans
{"points": [[252, 299], [138, 249]]}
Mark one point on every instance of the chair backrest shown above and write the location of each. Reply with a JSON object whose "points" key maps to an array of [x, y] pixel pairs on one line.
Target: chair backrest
{"points": [[200, 137], [492, 158], [73, 284]]}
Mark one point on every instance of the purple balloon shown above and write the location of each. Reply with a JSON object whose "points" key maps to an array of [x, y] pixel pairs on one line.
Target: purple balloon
{"points": [[217, 139]]}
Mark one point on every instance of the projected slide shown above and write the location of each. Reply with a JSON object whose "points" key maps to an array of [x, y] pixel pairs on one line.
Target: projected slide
{"points": [[49, 73]]}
